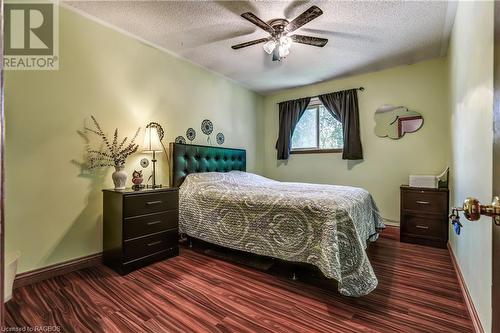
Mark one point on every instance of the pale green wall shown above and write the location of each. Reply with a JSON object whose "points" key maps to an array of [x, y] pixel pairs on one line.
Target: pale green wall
{"points": [[471, 99], [387, 163], [53, 208]]}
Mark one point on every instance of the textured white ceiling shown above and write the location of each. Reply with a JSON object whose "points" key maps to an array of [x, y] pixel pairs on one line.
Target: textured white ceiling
{"points": [[363, 36]]}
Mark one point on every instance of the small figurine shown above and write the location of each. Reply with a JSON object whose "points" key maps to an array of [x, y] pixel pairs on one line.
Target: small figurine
{"points": [[137, 179]]}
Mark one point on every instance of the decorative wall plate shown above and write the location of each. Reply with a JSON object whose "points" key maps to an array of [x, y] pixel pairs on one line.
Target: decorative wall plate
{"points": [[144, 163], [180, 139], [220, 138], [207, 127], [190, 134]]}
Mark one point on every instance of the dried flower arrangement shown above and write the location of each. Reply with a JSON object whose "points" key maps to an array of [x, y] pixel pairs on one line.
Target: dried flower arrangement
{"points": [[114, 153]]}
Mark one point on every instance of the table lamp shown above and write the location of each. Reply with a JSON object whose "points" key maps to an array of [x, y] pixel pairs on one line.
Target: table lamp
{"points": [[152, 144]]}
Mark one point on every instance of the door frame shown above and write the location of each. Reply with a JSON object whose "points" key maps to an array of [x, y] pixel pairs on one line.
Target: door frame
{"points": [[2, 172], [495, 288]]}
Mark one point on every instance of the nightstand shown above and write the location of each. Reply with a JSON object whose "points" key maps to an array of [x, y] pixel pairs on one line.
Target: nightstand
{"points": [[424, 216], [139, 227]]}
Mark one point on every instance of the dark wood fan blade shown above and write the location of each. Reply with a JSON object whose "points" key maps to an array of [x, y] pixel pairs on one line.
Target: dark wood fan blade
{"points": [[250, 43], [258, 22], [307, 16], [309, 40]]}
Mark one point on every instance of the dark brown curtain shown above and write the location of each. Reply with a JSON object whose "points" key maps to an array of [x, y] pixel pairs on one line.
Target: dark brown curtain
{"points": [[343, 105], [289, 115]]}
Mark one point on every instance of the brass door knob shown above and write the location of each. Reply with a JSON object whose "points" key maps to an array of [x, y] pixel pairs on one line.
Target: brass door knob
{"points": [[473, 209]]}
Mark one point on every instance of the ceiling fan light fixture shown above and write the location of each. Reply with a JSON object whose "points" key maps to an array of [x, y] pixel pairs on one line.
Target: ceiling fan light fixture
{"points": [[285, 41], [269, 46], [283, 51], [281, 33], [284, 46]]}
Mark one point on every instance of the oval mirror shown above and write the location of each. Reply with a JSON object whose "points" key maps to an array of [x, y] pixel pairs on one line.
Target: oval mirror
{"points": [[394, 121]]}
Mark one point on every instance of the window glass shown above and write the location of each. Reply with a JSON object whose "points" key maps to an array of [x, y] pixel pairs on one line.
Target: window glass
{"points": [[305, 134], [330, 130], [317, 129]]}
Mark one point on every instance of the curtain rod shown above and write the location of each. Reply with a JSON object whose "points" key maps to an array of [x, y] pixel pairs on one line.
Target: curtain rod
{"points": [[360, 89]]}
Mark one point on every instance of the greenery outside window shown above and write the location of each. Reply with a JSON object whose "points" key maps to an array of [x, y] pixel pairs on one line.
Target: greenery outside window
{"points": [[317, 131]]}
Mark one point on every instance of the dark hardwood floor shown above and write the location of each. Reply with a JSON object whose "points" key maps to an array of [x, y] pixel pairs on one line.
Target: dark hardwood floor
{"points": [[418, 292]]}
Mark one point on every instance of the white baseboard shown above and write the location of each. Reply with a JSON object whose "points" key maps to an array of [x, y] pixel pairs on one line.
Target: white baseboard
{"points": [[471, 309]]}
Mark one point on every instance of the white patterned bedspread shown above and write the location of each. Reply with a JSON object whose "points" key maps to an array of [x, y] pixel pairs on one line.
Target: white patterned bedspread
{"points": [[324, 225]]}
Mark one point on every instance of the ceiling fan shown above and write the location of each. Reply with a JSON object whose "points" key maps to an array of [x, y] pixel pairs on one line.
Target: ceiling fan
{"points": [[278, 44]]}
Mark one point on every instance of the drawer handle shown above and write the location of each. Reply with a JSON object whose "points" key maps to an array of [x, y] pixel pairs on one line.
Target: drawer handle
{"points": [[153, 222], [423, 202], [155, 243], [150, 203], [422, 227]]}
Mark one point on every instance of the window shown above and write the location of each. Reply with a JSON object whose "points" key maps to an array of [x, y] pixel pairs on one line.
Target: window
{"points": [[317, 131]]}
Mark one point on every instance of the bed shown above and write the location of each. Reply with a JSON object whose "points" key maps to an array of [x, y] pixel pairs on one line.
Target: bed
{"points": [[327, 226]]}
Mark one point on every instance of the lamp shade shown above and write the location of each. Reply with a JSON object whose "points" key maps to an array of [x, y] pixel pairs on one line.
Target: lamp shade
{"points": [[151, 140], [269, 46]]}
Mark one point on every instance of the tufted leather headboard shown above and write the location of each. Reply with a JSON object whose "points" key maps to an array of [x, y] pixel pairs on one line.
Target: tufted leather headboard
{"points": [[186, 159]]}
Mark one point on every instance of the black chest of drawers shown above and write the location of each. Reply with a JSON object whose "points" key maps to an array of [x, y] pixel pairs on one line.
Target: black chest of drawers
{"points": [[139, 227], [424, 216]]}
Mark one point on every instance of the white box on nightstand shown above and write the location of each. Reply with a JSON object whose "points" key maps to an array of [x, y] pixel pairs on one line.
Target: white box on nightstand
{"points": [[423, 181]]}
